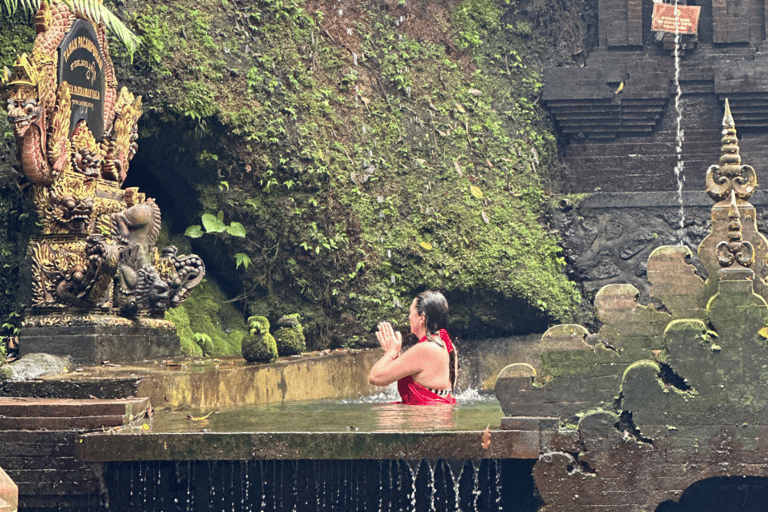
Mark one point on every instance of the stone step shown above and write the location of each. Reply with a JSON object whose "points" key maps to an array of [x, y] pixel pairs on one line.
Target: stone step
{"points": [[18, 413], [633, 150]]}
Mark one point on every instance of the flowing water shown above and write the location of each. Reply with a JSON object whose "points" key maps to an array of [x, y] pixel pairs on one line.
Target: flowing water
{"points": [[322, 485], [327, 485], [680, 136]]}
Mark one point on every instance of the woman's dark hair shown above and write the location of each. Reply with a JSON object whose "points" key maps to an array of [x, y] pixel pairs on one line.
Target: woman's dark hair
{"points": [[434, 307]]}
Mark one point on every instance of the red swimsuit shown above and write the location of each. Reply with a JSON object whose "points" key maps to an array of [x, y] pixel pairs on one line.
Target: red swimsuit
{"points": [[413, 393]]}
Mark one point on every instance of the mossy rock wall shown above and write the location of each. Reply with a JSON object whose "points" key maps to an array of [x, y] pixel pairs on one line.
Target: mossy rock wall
{"points": [[371, 150], [207, 324]]}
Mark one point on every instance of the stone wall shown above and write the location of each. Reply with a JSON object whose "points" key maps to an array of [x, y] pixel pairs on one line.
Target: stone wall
{"points": [[616, 113], [607, 237], [40, 442]]}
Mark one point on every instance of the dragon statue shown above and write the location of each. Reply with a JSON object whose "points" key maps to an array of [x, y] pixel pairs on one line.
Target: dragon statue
{"points": [[76, 135]]}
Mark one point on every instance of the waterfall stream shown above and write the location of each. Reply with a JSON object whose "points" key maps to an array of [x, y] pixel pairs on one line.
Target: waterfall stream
{"points": [[322, 485], [680, 136]]}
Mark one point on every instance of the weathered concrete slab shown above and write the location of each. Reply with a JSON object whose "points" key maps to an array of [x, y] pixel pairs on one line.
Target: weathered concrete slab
{"points": [[92, 344]]}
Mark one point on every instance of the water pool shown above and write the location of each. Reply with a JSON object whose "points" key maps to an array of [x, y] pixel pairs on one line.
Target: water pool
{"points": [[472, 412]]}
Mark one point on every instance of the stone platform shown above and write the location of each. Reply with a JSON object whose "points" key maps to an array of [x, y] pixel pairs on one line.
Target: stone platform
{"points": [[61, 414], [94, 341], [38, 452]]}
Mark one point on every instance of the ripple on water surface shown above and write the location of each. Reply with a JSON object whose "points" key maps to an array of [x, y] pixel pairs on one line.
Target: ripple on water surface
{"points": [[473, 411]]}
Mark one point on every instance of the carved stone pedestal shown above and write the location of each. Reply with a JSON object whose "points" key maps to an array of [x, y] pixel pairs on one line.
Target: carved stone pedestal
{"points": [[94, 341]]}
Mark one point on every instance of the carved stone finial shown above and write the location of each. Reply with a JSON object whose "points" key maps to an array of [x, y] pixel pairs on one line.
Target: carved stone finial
{"points": [[735, 250], [44, 17], [730, 175]]}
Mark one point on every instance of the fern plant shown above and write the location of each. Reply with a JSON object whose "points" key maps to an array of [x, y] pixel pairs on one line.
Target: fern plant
{"points": [[92, 10]]}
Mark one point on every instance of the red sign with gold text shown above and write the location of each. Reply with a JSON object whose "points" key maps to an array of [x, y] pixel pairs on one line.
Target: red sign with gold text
{"points": [[684, 21]]}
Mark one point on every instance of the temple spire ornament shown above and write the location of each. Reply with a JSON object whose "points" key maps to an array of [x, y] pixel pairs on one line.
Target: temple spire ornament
{"points": [[730, 175]]}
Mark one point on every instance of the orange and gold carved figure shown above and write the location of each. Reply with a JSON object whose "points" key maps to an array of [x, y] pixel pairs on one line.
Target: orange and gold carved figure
{"points": [[76, 136]]}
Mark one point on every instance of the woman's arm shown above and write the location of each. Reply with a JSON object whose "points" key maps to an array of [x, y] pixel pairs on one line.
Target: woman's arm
{"points": [[393, 365]]}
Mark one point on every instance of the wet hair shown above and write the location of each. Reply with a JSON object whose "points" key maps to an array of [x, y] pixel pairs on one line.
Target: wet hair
{"points": [[434, 307]]}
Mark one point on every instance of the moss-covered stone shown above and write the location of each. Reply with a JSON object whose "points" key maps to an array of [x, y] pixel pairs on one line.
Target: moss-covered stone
{"points": [[260, 348], [207, 324], [290, 341], [259, 345]]}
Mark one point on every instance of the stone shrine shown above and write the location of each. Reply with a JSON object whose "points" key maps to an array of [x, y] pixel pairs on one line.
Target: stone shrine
{"points": [[98, 285], [666, 396]]}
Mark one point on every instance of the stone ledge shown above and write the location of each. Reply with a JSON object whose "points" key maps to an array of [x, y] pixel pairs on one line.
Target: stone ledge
{"points": [[63, 414], [102, 447]]}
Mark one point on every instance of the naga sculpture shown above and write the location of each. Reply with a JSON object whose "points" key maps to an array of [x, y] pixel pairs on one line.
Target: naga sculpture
{"points": [[76, 136]]}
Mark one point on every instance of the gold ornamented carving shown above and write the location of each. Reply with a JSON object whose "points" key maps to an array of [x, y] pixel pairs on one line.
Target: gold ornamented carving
{"points": [[59, 147], [88, 155], [121, 145], [44, 17], [96, 249], [72, 273]]}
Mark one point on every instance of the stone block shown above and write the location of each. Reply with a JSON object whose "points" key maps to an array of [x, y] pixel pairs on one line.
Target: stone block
{"points": [[564, 337], [616, 330], [560, 441], [76, 423], [90, 345], [616, 296], [529, 423]]}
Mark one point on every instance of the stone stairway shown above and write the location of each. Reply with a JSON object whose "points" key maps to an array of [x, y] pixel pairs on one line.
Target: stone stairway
{"points": [[39, 441], [634, 163]]}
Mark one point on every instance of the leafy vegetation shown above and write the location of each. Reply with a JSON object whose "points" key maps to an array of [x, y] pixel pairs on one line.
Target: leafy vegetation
{"points": [[93, 10], [360, 152], [368, 157]]}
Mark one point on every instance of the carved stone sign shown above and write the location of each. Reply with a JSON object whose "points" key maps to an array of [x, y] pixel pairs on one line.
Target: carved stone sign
{"points": [[81, 65], [683, 19]]}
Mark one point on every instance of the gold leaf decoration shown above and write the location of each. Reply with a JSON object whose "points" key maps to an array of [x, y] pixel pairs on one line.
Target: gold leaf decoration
{"points": [[59, 148]]}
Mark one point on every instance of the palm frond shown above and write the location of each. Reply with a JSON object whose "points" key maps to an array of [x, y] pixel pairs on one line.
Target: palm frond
{"points": [[92, 10], [11, 6]]}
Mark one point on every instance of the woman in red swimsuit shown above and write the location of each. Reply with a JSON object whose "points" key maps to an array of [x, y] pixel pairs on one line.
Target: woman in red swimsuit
{"points": [[423, 372]]}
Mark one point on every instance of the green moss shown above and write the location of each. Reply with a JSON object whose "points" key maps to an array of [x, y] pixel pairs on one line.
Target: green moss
{"points": [[207, 313], [362, 182], [260, 347], [290, 341], [189, 346], [258, 324]]}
